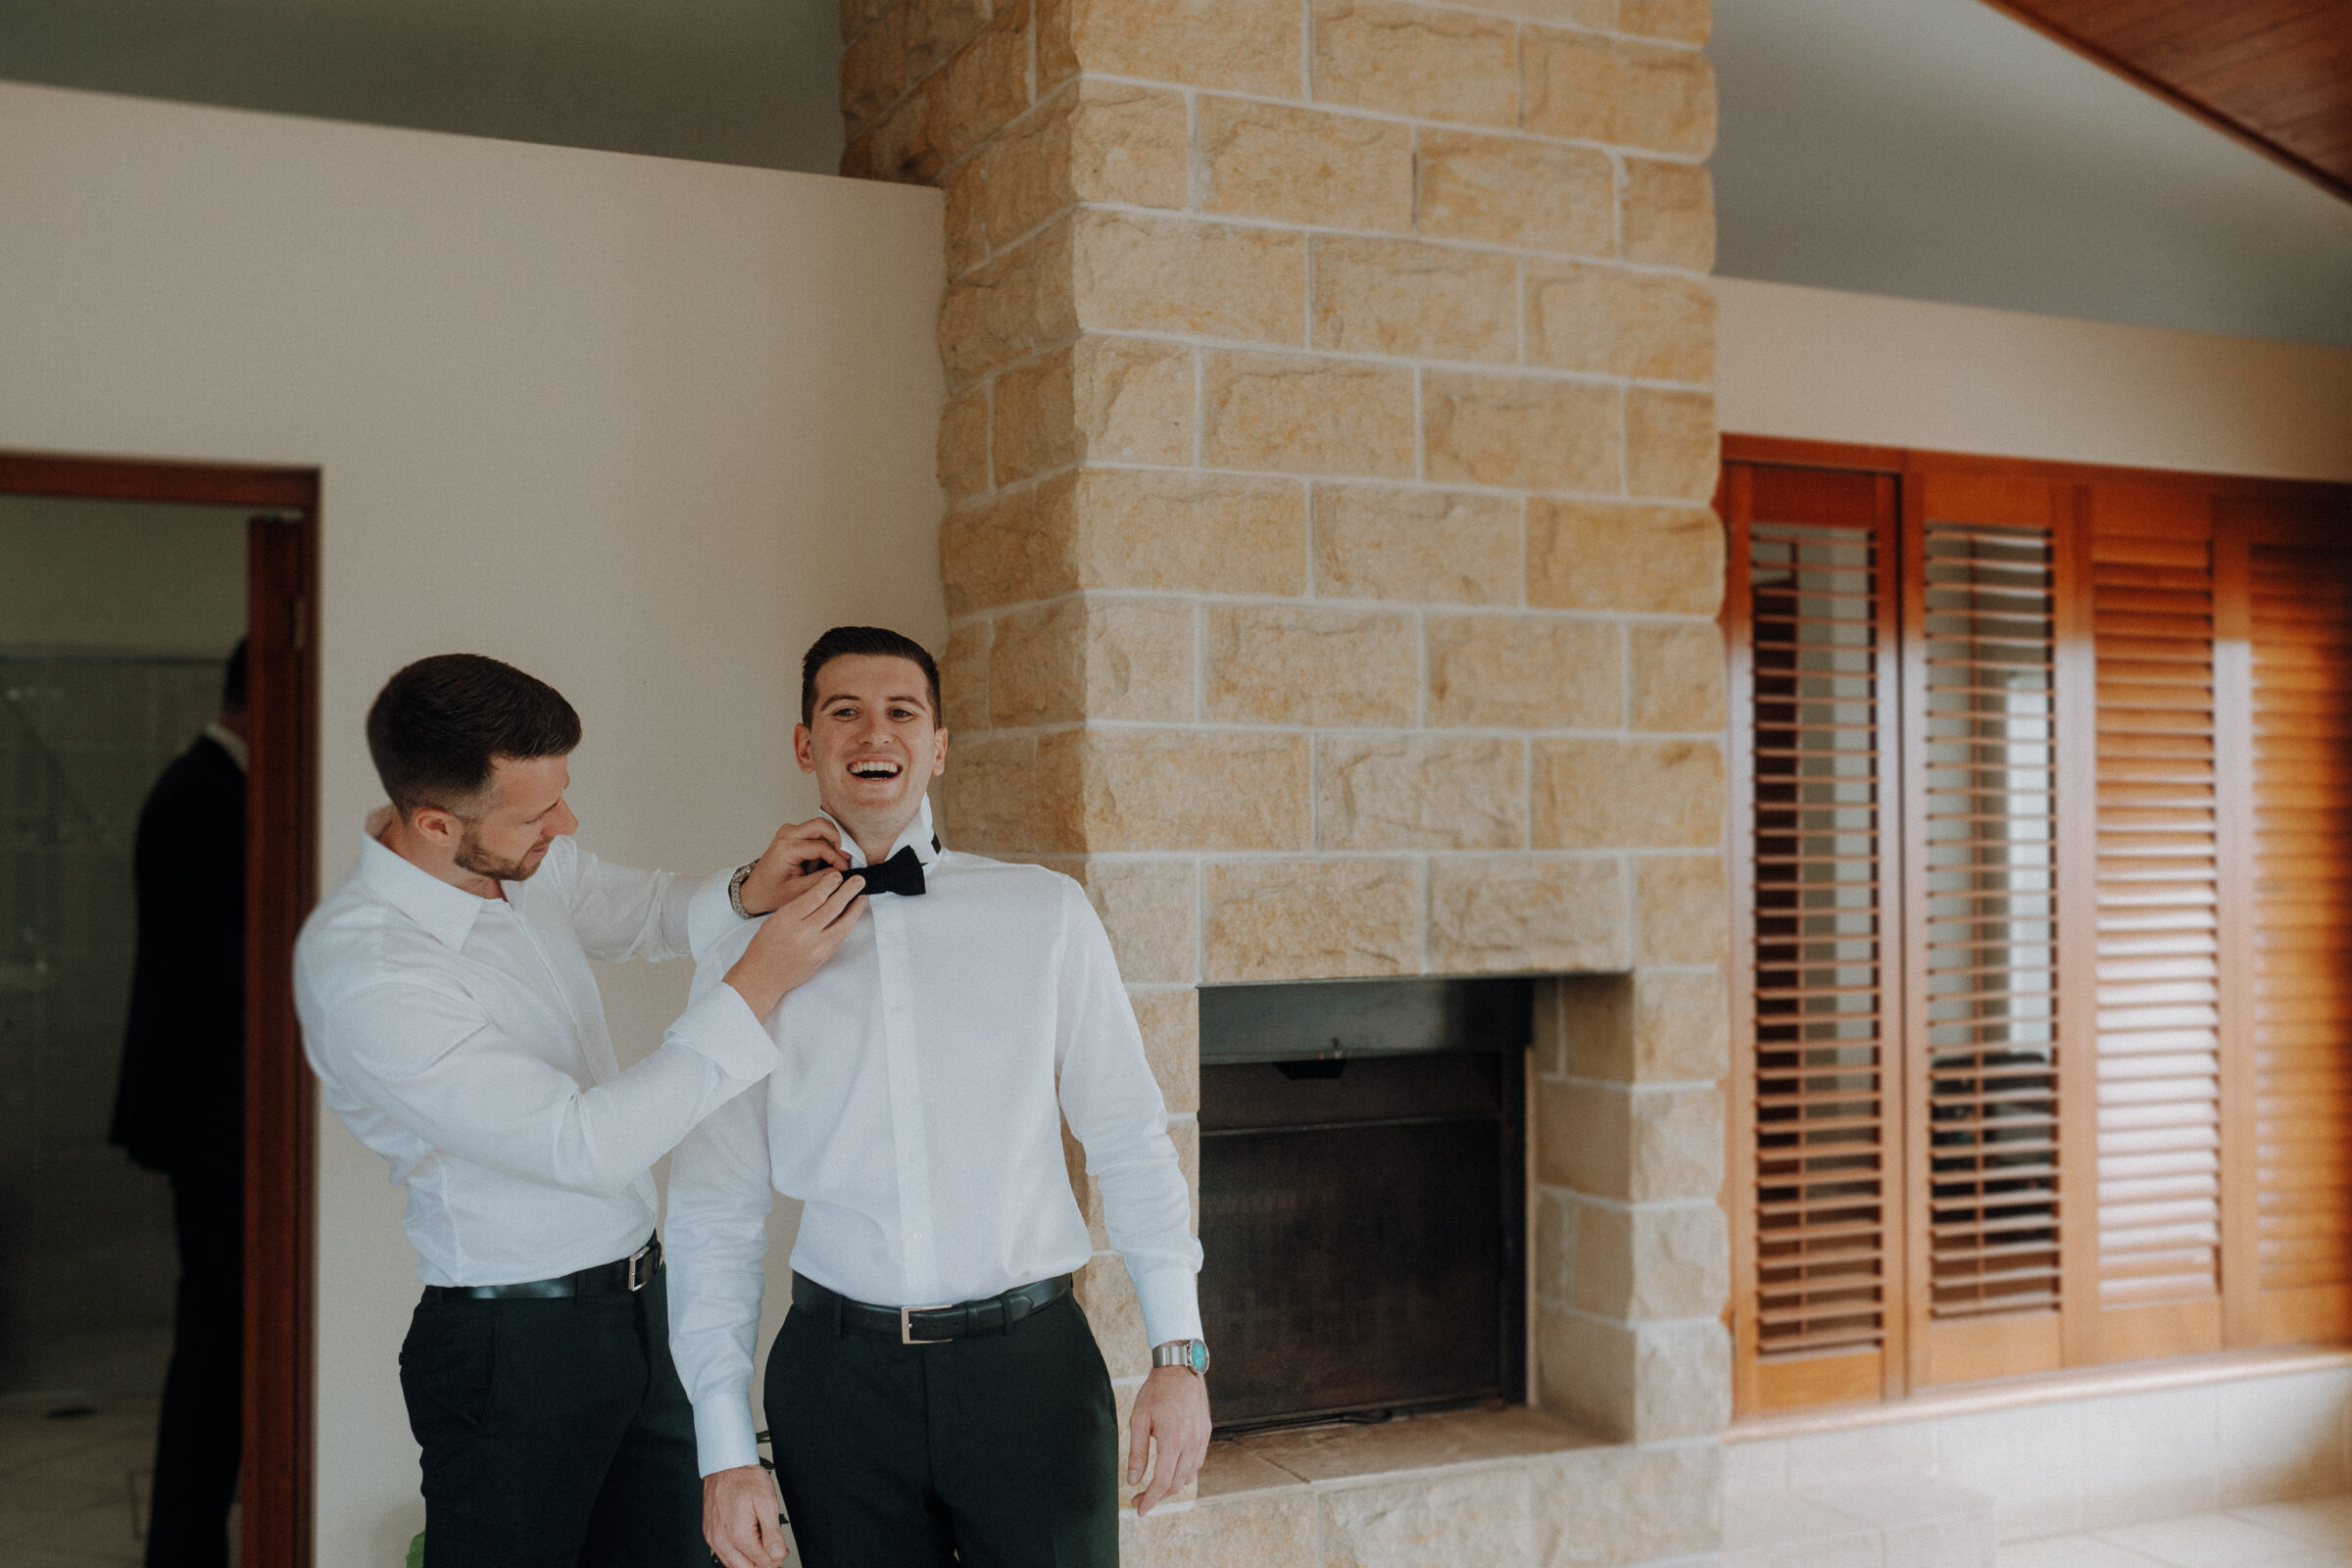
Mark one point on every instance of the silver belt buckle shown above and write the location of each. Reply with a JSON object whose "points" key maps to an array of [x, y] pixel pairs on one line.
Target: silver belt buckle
{"points": [[637, 1275], [907, 1323]]}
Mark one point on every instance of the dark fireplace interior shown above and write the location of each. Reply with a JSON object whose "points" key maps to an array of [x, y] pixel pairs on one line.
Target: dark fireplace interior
{"points": [[1363, 1196]]}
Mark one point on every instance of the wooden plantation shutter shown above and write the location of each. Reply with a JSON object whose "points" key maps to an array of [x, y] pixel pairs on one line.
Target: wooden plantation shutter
{"points": [[2297, 583], [1983, 581], [1810, 582], [2043, 843]]}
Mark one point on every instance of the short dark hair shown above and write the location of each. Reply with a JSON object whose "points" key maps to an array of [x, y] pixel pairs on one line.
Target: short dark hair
{"points": [[841, 642], [439, 725], [232, 680]]}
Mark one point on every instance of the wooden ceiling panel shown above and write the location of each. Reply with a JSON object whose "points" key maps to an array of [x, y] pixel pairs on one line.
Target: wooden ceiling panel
{"points": [[2277, 74]]}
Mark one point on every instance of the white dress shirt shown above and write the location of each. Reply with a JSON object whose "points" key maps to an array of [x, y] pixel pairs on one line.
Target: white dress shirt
{"points": [[915, 1113], [462, 1039]]}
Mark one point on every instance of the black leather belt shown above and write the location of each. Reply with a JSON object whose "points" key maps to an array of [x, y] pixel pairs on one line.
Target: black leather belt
{"points": [[930, 1325], [620, 1277]]}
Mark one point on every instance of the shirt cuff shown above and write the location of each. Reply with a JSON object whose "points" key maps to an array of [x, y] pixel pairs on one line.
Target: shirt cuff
{"points": [[722, 1027], [709, 914], [724, 1438], [1172, 1301]]}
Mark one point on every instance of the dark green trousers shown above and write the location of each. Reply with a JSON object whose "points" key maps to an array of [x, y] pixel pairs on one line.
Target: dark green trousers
{"points": [[556, 1433], [998, 1452]]}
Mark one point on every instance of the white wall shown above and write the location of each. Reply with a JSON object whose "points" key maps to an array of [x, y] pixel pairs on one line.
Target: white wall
{"points": [[643, 427], [1828, 366]]}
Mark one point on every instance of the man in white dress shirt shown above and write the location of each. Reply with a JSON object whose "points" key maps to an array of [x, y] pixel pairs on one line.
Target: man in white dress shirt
{"points": [[917, 1113], [449, 1009]]}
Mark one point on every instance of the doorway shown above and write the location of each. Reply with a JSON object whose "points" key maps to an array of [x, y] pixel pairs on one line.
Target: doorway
{"points": [[124, 585]]}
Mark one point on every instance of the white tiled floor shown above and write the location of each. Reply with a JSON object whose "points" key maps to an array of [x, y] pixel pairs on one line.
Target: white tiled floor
{"points": [[73, 1492], [2275, 1534]]}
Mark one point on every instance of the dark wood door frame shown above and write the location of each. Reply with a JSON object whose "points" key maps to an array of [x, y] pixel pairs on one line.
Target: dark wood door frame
{"points": [[281, 882]]}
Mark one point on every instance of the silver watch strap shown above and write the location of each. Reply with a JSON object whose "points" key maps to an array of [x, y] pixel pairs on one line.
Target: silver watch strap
{"points": [[735, 890]]}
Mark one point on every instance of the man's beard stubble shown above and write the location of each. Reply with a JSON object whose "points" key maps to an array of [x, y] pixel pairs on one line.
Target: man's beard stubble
{"points": [[471, 857]]}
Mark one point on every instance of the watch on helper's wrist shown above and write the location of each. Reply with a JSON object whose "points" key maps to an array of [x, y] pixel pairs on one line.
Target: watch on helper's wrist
{"points": [[1191, 1355], [735, 890]]}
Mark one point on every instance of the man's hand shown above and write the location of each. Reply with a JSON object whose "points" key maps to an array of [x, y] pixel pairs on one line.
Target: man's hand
{"points": [[1171, 1410], [778, 879], [739, 1518], [795, 942]]}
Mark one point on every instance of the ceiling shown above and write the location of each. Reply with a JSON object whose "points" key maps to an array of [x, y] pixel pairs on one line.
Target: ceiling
{"points": [[1942, 150], [2277, 72]]}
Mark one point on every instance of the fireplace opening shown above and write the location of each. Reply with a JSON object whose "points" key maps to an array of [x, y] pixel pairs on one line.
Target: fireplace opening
{"points": [[1363, 1196]]}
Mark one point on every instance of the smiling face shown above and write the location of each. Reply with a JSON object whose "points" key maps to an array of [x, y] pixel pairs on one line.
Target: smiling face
{"points": [[873, 743]]}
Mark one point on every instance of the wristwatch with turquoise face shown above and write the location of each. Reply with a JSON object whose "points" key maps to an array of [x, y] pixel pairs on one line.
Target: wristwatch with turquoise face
{"points": [[1191, 1355]]}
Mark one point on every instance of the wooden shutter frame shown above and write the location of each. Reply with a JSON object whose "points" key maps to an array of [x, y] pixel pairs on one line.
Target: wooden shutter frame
{"points": [[2253, 508]]}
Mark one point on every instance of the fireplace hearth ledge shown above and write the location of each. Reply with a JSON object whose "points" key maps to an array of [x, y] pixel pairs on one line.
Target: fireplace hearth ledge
{"points": [[1300, 1457]]}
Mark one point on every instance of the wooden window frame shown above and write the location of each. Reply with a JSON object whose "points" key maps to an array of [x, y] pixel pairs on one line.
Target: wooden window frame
{"points": [[2258, 509], [281, 881]]}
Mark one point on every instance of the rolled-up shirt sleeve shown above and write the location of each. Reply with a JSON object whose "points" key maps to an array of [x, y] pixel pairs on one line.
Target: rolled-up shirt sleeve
{"points": [[427, 1056], [1115, 1106], [720, 1190]]}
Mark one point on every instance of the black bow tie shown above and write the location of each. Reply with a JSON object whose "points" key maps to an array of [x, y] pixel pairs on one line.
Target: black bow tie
{"points": [[901, 873]]}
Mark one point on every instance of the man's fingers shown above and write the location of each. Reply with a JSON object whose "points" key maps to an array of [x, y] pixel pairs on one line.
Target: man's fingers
{"points": [[839, 900], [1139, 1444], [819, 889]]}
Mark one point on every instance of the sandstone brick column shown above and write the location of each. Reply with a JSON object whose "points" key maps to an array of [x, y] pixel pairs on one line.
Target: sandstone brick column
{"points": [[1331, 579]]}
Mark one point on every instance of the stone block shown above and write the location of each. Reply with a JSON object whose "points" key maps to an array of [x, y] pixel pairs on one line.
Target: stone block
{"points": [[1077, 658], [1464, 1519], [1295, 414], [1419, 792], [1257, 1530], [1671, 448], [1246, 45], [1279, 664], [1304, 165], [1599, 554], [855, 16], [1424, 545], [1112, 399], [1668, 212], [1147, 907], [1682, 20], [1633, 1145], [1129, 144], [1646, 1382], [983, 86], [1603, 794], [1170, 1021], [936, 30], [1574, 13], [1414, 299], [964, 678], [1603, 1506], [1057, 44], [1595, 1019], [1416, 60], [1311, 919], [1107, 1297], [1651, 1263], [1600, 318], [1677, 677], [1505, 190], [1524, 672], [988, 796], [1172, 790], [963, 464], [1135, 273], [873, 71], [1552, 1263], [1519, 914], [1009, 306], [1126, 529], [1682, 909], [1645, 96], [1521, 432], [1097, 141]]}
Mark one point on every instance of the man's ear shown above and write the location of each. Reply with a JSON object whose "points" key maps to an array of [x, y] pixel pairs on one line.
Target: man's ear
{"points": [[438, 825], [939, 753], [804, 748]]}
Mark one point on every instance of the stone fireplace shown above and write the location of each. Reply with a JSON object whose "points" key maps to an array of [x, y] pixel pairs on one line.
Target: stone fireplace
{"points": [[1327, 457]]}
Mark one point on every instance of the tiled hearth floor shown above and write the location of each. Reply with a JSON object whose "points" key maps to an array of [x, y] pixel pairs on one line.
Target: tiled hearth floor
{"points": [[2273, 1535], [73, 1492]]}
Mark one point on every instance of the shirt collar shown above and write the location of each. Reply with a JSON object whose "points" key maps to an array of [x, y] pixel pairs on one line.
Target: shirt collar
{"points": [[447, 913], [917, 835], [230, 741]]}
